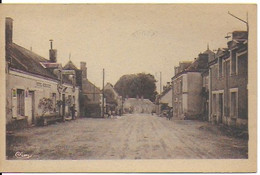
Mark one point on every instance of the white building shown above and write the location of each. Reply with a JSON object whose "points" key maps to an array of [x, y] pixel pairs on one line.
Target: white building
{"points": [[30, 79]]}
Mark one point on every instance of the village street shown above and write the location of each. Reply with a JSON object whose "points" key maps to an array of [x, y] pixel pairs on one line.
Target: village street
{"points": [[132, 136]]}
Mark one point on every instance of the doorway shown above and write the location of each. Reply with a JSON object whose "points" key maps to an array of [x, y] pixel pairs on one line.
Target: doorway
{"points": [[30, 104], [221, 107]]}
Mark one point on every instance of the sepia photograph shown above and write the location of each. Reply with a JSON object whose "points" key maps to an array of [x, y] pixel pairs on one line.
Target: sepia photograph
{"points": [[129, 84]]}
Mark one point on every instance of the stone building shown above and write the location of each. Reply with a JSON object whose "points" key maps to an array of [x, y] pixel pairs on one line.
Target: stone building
{"points": [[36, 87], [90, 95], [228, 76], [164, 100], [187, 87], [113, 100], [138, 105]]}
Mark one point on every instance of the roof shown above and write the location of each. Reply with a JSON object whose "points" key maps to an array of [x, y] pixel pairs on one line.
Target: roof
{"points": [[28, 61], [135, 101], [165, 92], [70, 66], [200, 64], [210, 53], [89, 83]]}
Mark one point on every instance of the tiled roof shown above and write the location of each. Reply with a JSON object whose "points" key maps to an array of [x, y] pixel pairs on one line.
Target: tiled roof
{"points": [[28, 61], [70, 66], [97, 90], [136, 101], [201, 62]]}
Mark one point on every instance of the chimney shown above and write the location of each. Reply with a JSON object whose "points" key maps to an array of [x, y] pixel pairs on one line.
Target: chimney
{"points": [[239, 35], [53, 53], [83, 68], [8, 30]]}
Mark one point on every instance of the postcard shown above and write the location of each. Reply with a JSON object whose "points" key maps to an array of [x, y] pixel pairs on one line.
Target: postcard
{"points": [[128, 87]]}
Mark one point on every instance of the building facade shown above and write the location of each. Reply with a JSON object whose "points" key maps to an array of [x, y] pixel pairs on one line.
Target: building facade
{"points": [[114, 102], [187, 84], [35, 86], [164, 100], [89, 95], [228, 83], [138, 105]]}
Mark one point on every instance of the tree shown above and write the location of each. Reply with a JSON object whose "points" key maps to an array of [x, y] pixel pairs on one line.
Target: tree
{"points": [[133, 85], [46, 105]]}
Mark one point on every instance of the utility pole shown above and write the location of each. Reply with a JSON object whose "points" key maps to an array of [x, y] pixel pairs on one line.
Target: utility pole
{"points": [[246, 22], [247, 26], [103, 112]]}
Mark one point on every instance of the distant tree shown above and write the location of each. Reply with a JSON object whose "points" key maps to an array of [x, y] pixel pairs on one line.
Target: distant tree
{"points": [[133, 85]]}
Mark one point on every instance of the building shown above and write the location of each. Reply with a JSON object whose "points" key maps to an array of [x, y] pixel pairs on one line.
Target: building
{"points": [[90, 95], [114, 102], [37, 88], [205, 95], [228, 77], [164, 100], [187, 86], [138, 105]]}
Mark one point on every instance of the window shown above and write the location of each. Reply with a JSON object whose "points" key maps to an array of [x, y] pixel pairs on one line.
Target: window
{"points": [[221, 104], [233, 105], [233, 62], [20, 102], [220, 70], [54, 101], [214, 104], [242, 64]]}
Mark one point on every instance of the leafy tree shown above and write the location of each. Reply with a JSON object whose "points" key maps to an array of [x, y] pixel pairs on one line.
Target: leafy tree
{"points": [[133, 85], [46, 105]]}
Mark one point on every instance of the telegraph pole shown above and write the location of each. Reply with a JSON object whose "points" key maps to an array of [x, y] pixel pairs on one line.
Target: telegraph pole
{"points": [[246, 22], [103, 84]]}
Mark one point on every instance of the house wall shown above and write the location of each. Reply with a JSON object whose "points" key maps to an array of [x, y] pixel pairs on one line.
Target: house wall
{"points": [[139, 106], [41, 87], [167, 98], [227, 83], [177, 96], [187, 95], [194, 99]]}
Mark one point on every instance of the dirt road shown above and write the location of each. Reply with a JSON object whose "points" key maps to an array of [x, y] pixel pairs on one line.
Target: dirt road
{"points": [[128, 137]]}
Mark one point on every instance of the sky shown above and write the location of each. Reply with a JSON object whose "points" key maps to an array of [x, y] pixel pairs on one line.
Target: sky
{"points": [[125, 39]]}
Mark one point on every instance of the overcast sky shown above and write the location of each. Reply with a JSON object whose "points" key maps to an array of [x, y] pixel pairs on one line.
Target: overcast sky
{"points": [[125, 39]]}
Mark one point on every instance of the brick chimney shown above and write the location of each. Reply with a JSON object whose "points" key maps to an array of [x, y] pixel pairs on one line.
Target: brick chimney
{"points": [[52, 53], [8, 30], [83, 68], [239, 35]]}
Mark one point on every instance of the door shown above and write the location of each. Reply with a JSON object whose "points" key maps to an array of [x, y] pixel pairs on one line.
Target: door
{"points": [[30, 104], [220, 108], [227, 102]]}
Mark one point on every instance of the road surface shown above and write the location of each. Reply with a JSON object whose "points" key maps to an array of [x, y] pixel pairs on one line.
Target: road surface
{"points": [[135, 136]]}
